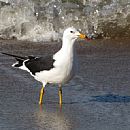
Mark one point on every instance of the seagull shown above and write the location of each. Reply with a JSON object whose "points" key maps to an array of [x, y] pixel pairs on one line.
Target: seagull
{"points": [[53, 69]]}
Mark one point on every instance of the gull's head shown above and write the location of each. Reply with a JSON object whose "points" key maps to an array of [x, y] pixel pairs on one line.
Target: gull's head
{"points": [[72, 34]]}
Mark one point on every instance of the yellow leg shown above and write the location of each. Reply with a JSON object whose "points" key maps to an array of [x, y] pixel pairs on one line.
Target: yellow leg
{"points": [[41, 95], [60, 95]]}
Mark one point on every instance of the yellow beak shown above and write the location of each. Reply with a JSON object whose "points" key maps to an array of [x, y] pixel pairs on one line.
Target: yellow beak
{"points": [[83, 36]]}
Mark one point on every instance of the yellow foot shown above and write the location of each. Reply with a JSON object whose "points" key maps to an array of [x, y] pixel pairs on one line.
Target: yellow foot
{"points": [[41, 95], [60, 96]]}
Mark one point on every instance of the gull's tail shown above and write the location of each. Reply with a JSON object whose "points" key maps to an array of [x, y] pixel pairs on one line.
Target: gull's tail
{"points": [[15, 56], [19, 59]]}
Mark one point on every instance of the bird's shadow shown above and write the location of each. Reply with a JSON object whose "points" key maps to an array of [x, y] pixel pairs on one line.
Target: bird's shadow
{"points": [[110, 98]]}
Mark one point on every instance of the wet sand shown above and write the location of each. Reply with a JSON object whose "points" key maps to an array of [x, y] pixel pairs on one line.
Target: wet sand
{"points": [[98, 98]]}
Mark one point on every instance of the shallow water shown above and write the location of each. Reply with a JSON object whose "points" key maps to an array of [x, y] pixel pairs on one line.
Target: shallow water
{"points": [[98, 98]]}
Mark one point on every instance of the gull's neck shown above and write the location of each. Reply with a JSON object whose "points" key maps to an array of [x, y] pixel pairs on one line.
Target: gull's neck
{"points": [[67, 45], [67, 50]]}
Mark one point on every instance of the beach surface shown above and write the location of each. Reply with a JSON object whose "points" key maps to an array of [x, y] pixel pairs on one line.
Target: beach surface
{"points": [[97, 98]]}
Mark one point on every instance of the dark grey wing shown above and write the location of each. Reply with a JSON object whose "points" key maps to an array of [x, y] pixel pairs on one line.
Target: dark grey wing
{"points": [[39, 64]]}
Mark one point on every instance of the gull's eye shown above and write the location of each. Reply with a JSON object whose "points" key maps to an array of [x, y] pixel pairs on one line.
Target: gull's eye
{"points": [[71, 31]]}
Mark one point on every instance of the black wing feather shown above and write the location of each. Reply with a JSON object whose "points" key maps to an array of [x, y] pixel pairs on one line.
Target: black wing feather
{"points": [[34, 64], [19, 63], [39, 64], [17, 57]]}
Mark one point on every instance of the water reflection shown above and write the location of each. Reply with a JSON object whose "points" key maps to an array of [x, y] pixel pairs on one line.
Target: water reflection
{"points": [[48, 119]]}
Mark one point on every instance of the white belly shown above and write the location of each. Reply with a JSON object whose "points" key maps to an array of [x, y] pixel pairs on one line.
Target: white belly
{"points": [[60, 74]]}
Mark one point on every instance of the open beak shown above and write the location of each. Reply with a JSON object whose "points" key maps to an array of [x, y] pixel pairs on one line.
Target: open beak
{"points": [[83, 36]]}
